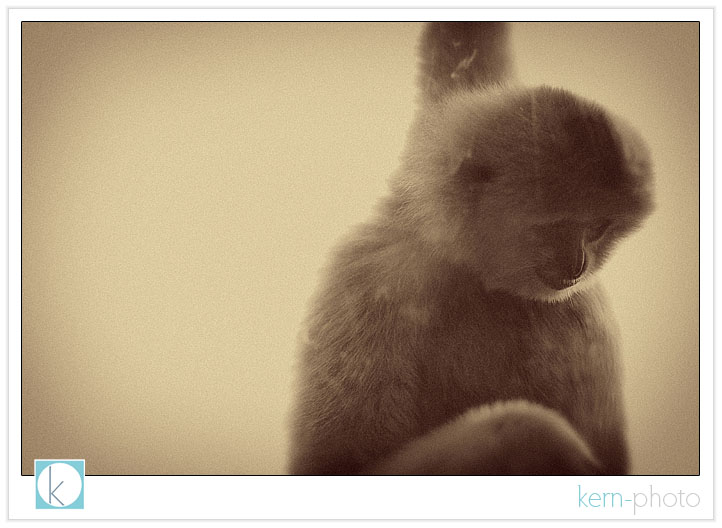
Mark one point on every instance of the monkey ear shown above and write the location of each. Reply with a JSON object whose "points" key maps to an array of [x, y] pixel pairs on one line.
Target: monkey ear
{"points": [[472, 173]]}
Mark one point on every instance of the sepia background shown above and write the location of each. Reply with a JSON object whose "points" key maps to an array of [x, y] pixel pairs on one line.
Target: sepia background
{"points": [[183, 184]]}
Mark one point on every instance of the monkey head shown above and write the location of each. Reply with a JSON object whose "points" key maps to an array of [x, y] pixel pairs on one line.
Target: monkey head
{"points": [[531, 188]]}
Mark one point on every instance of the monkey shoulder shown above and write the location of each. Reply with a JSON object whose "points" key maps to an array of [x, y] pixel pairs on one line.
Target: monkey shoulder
{"points": [[381, 279], [368, 318]]}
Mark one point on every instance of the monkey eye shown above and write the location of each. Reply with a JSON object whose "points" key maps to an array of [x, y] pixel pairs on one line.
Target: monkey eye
{"points": [[597, 231]]}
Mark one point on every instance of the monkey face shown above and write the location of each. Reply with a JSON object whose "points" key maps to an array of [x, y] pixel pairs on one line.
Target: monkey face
{"points": [[542, 258], [542, 249], [546, 259], [529, 188], [547, 187]]}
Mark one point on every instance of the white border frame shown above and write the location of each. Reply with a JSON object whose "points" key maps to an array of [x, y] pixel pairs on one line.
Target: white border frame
{"points": [[255, 497]]}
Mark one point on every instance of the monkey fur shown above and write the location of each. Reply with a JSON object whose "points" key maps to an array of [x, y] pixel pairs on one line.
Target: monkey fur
{"points": [[461, 330]]}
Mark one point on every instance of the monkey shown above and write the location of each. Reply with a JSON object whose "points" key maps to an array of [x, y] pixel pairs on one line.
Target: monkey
{"points": [[462, 330]]}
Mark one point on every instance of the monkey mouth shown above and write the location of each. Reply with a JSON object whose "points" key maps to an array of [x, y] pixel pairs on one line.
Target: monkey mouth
{"points": [[557, 283]]}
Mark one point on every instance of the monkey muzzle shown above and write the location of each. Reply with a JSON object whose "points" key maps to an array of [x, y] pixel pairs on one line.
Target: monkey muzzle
{"points": [[566, 268]]}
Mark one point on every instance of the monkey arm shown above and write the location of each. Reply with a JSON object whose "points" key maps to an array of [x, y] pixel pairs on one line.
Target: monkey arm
{"points": [[462, 55], [508, 438]]}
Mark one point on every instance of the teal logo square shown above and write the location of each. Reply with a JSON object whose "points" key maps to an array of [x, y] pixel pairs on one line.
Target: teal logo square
{"points": [[59, 484]]}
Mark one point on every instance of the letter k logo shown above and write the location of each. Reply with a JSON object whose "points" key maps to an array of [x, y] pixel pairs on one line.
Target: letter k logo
{"points": [[51, 491], [59, 484]]}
